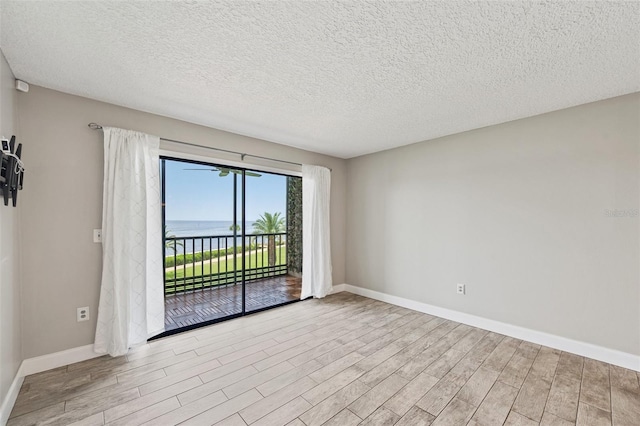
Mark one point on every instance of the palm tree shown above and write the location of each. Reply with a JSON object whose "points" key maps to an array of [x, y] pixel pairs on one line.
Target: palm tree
{"points": [[270, 224], [171, 244], [235, 227]]}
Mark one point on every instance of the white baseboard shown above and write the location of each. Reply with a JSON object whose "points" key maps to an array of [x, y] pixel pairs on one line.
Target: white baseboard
{"points": [[588, 350], [37, 365], [10, 398], [57, 359], [338, 288]]}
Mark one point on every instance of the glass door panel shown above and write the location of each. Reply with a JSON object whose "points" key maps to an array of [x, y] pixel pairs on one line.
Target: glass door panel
{"points": [[202, 217], [268, 281]]}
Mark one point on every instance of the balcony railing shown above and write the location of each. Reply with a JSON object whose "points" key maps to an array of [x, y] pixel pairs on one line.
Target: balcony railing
{"points": [[194, 263]]}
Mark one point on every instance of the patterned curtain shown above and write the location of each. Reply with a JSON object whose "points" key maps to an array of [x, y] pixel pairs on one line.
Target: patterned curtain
{"points": [[131, 305], [316, 234]]}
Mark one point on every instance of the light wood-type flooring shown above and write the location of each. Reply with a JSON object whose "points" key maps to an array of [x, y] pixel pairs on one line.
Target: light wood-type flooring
{"points": [[343, 360]]}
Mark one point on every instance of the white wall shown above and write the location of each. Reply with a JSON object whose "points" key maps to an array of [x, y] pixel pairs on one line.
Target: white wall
{"points": [[62, 204], [517, 212], [10, 338]]}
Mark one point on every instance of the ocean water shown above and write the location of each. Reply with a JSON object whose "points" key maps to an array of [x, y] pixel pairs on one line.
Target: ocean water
{"points": [[199, 228], [205, 228]]}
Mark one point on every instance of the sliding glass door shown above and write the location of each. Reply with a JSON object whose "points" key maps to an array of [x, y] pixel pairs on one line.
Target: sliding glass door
{"points": [[270, 280], [226, 250]]}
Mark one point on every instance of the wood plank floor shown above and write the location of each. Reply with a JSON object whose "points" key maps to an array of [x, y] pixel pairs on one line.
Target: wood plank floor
{"points": [[343, 360], [194, 307]]}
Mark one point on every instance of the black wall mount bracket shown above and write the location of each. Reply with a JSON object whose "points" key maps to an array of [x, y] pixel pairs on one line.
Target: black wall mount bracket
{"points": [[11, 170]]}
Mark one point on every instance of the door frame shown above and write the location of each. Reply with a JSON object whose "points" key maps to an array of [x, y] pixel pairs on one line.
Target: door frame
{"points": [[210, 161]]}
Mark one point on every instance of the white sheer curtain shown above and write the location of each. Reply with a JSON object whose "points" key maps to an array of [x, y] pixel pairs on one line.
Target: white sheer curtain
{"points": [[131, 297], [316, 241]]}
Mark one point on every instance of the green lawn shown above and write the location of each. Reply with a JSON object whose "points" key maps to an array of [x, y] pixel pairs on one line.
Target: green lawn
{"points": [[214, 266]]}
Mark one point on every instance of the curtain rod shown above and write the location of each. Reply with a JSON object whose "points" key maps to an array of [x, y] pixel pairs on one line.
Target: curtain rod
{"points": [[95, 126]]}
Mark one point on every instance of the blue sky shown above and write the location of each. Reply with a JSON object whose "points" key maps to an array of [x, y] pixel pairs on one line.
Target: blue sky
{"points": [[203, 195]]}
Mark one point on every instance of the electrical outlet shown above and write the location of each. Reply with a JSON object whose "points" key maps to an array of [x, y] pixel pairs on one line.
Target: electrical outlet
{"points": [[460, 289], [82, 314], [97, 235]]}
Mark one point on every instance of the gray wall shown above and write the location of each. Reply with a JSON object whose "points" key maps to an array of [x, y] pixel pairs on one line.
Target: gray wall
{"points": [[517, 213], [62, 204], [10, 338]]}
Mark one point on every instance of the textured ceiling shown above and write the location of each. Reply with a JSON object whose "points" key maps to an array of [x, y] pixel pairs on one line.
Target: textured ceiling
{"points": [[341, 78]]}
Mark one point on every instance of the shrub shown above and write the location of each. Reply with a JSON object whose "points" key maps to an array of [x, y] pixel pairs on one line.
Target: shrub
{"points": [[181, 259]]}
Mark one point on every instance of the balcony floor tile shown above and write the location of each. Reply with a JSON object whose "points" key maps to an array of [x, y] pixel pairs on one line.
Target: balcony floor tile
{"points": [[198, 306]]}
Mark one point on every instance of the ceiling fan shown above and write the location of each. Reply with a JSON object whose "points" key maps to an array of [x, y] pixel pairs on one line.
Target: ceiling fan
{"points": [[224, 171]]}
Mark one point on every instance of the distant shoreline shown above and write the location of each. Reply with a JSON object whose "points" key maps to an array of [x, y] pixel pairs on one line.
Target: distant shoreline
{"points": [[191, 228]]}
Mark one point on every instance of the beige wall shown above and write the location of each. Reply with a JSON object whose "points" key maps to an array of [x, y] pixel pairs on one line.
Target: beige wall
{"points": [[62, 204], [10, 343], [517, 213]]}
